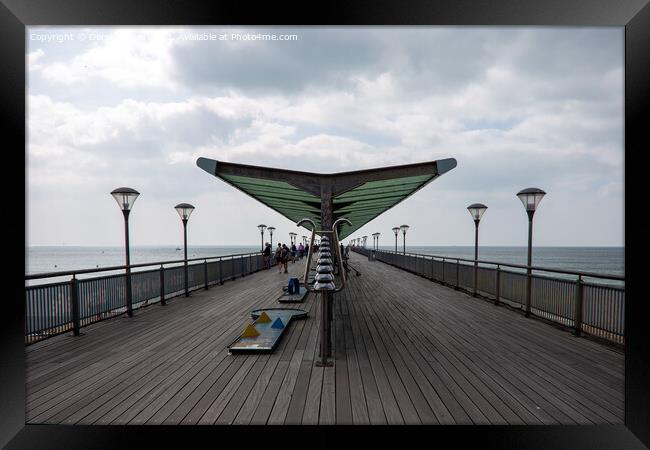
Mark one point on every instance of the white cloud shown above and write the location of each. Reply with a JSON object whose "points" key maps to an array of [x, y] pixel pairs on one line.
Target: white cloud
{"points": [[117, 112], [129, 58], [33, 58]]}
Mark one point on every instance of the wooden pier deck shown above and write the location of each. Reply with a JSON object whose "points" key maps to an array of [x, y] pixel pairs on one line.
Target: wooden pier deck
{"points": [[406, 350]]}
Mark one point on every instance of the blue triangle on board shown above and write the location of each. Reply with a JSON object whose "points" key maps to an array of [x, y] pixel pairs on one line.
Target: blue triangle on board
{"points": [[277, 324]]}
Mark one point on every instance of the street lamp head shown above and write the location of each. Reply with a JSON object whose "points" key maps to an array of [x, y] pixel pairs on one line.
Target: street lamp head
{"points": [[531, 197], [395, 230], [404, 228], [271, 230], [184, 210], [261, 227], [476, 210], [125, 197]]}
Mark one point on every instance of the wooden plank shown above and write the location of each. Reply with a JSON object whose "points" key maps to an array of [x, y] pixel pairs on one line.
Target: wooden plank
{"points": [[367, 408], [299, 395], [422, 353]]}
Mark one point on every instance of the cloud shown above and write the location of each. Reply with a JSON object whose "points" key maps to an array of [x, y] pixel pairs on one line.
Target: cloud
{"points": [[33, 58], [516, 107], [129, 58]]}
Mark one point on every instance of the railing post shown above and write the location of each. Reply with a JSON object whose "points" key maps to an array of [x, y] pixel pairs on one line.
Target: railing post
{"points": [[74, 300], [457, 274], [577, 313], [528, 292], [443, 271], [498, 286], [162, 285], [205, 273], [221, 271]]}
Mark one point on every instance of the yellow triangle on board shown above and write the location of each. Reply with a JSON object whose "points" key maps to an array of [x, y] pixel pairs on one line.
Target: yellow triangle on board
{"points": [[250, 331], [263, 318]]}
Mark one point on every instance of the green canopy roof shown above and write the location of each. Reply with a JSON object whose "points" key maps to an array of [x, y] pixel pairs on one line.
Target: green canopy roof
{"points": [[358, 196]]}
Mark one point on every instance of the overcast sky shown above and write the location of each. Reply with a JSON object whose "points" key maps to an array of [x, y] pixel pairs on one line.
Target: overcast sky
{"points": [[517, 107]]}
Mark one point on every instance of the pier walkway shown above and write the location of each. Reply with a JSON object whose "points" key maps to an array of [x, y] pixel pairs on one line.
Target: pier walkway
{"points": [[406, 351]]}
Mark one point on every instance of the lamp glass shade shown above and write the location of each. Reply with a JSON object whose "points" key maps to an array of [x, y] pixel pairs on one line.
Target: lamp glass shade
{"points": [[396, 230], [531, 197], [184, 210], [261, 227], [476, 210], [125, 197], [404, 228], [271, 229]]}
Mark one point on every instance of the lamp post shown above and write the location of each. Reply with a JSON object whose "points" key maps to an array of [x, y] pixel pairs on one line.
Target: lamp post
{"points": [[396, 231], [262, 227], [271, 230], [530, 197], [404, 228], [185, 210], [476, 210], [125, 197]]}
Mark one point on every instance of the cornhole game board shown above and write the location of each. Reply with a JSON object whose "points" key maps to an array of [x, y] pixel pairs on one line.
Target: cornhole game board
{"points": [[264, 334], [293, 298]]}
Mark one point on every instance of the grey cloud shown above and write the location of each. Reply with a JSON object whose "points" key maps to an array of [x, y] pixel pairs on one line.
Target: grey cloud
{"points": [[318, 56], [554, 69]]}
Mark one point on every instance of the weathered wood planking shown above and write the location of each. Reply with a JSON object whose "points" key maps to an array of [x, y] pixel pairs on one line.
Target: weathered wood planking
{"points": [[406, 350]]}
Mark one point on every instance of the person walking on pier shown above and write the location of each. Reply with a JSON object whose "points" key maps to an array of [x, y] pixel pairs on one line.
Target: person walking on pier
{"points": [[284, 257], [293, 253], [278, 257], [301, 251], [267, 255]]}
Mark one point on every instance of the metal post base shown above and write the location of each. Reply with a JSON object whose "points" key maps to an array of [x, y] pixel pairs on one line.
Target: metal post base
{"points": [[320, 363]]}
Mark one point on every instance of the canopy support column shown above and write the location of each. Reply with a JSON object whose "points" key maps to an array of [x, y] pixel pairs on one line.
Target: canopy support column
{"points": [[327, 219]]}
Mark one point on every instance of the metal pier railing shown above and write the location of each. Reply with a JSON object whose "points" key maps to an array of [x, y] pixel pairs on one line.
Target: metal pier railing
{"points": [[588, 302], [56, 307]]}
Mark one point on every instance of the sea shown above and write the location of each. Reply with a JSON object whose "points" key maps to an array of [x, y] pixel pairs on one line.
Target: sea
{"points": [[603, 260]]}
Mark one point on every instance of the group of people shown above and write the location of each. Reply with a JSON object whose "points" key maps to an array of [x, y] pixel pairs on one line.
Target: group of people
{"points": [[283, 254]]}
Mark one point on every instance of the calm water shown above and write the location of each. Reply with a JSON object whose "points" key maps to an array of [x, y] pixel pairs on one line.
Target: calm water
{"points": [[606, 260], [60, 258]]}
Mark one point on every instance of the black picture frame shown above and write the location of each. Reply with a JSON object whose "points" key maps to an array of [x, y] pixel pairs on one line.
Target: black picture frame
{"points": [[634, 15]]}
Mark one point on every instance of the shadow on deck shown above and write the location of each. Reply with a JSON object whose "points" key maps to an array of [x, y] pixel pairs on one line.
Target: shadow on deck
{"points": [[406, 350]]}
